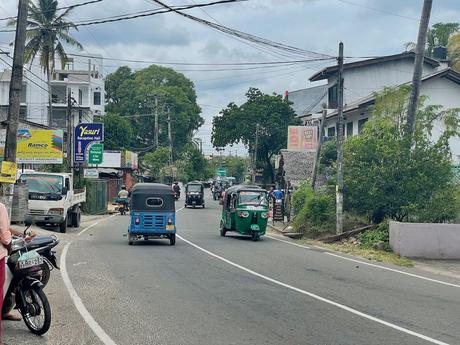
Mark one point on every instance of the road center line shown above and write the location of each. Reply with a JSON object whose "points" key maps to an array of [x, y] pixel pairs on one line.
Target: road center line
{"points": [[90, 321], [317, 297], [371, 265]]}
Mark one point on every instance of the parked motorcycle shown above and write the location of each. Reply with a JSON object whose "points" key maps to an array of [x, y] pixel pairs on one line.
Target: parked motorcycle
{"points": [[24, 289]]}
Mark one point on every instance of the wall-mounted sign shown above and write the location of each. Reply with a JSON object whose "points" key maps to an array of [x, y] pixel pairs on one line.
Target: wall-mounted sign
{"points": [[95, 154], [302, 138], [84, 135], [91, 173], [39, 146]]}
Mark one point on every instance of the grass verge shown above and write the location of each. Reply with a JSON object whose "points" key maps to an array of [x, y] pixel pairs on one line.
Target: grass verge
{"points": [[370, 254]]}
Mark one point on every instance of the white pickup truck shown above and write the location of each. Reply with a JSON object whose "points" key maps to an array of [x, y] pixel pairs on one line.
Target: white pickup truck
{"points": [[53, 200]]}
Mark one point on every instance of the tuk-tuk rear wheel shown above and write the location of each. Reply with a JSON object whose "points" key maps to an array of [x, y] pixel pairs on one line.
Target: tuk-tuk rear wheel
{"points": [[172, 239], [255, 236], [222, 229], [130, 240]]}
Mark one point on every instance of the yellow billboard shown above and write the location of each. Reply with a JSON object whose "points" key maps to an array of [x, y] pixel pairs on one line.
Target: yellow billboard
{"points": [[39, 146]]}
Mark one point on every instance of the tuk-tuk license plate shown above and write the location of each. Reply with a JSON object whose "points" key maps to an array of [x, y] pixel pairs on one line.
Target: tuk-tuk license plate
{"points": [[31, 262], [169, 227]]}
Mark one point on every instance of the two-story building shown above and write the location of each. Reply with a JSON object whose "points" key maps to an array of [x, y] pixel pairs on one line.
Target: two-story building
{"points": [[363, 78], [81, 79]]}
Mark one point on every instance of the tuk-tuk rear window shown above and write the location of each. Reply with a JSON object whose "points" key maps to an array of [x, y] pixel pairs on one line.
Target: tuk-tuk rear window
{"points": [[194, 188], [154, 202], [252, 198]]}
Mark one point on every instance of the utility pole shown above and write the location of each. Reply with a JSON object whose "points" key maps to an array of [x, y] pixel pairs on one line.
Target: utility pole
{"points": [[15, 94], [418, 66], [69, 131], [254, 165], [169, 135], [156, 122], [318, 149], [339, 187]]}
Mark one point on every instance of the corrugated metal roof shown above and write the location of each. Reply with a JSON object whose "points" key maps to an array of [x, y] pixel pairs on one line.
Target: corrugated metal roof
{"points": [[307, 101]]}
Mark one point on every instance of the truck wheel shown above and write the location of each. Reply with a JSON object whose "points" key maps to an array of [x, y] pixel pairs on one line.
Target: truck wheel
{"points": [[76, 218], [63, 226]]}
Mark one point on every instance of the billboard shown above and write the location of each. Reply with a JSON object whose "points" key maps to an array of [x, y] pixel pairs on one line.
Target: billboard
{"points": [[39, 146], [302, 138], [110, 159], [84, 135]]}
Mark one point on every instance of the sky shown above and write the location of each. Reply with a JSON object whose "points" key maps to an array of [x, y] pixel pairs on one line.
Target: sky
{"points": [[366, 27]]}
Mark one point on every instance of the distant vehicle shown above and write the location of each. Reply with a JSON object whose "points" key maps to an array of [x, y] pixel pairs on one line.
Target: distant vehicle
{"points": [[245, 210], [194, 194], [52, 199], [153, 213]]}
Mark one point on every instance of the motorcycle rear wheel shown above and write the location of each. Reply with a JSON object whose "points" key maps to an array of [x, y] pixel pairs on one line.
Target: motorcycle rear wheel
{"points": [[37, 311]]}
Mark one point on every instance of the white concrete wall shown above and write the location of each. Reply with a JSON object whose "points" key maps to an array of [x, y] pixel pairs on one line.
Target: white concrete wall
{"points": [[442, 91], [427, 241]]}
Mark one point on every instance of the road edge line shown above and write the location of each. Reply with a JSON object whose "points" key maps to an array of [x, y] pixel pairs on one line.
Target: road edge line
{"points": [[317, 297]]}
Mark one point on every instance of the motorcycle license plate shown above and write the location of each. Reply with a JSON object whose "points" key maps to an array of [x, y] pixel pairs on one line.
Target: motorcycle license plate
{"points": [[169, 227], [31, 262]]}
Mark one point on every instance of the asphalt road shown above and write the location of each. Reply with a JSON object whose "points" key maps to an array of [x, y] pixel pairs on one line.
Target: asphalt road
{"points": [[213, 290]]}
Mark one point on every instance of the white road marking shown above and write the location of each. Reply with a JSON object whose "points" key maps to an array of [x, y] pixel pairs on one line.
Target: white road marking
{"points": [[92, 323], [94, 224], [394, 270], [317, 297], [284, 241], [371, 264]]}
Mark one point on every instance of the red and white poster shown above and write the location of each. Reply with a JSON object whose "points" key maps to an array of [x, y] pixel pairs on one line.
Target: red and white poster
{"points": [[302, 138]]}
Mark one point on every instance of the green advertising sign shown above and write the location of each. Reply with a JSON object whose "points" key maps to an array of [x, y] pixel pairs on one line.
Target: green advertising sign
{"points": [[95, 154]]}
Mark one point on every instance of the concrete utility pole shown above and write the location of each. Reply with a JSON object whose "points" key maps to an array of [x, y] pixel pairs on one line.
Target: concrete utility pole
{"points": [[169, 135], [156, 122], [339, 187], [15, 96], [318, 149], [418, 66], [69, 131], [254, 165]]}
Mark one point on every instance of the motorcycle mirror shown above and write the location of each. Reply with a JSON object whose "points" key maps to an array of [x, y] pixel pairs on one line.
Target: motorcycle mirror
{"points": [[28, 221]]}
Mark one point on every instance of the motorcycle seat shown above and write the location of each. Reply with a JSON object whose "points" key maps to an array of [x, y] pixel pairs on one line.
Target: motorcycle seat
{"points": [[40, 241]]}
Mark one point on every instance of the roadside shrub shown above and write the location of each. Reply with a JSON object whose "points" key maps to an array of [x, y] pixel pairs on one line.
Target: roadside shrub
{"points": [[381, 234], [317, 216], [300, 196]]}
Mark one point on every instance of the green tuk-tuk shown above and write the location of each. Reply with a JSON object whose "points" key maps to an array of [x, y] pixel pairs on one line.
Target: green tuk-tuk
{"points": [[245, 210]]}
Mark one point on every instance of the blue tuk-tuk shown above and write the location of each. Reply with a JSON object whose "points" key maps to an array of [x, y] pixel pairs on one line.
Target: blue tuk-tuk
{"points": [[153, 213]]}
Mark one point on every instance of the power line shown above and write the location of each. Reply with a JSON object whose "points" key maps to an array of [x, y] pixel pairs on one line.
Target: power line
{"points": [[59, 8], [378, 10], [252, 38]]}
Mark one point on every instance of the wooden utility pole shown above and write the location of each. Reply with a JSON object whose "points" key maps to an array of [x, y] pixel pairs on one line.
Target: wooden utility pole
{"points": [[339, 187], [318, 149], [254, 165], [418, 66], [15, 96]]}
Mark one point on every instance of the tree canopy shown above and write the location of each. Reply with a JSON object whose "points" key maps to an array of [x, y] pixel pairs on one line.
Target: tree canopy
{"points": [[271, 114], [118, 132], [132, 93]]}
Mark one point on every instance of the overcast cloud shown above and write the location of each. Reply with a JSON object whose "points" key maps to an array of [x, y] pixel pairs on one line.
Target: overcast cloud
{"points": [[367, 29]]}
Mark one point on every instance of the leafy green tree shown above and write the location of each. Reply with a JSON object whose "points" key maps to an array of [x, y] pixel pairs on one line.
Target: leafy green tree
{"points": [[387, 177], [237, 124], [155, 161], [132, 93], [118, 133], [47, 32], [193, 166], [235, 166]]}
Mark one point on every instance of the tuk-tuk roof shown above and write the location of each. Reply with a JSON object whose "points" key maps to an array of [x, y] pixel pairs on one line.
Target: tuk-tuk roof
{"points": [[239, 188], [195, 182], [149, 188]]}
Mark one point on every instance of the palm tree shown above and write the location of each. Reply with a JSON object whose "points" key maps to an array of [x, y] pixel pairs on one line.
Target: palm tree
{"points": [[437, 36], [47, 30]]}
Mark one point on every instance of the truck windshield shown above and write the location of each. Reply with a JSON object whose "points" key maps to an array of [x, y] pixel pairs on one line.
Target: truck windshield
{"points": [[252, 198], [43, 183]]}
